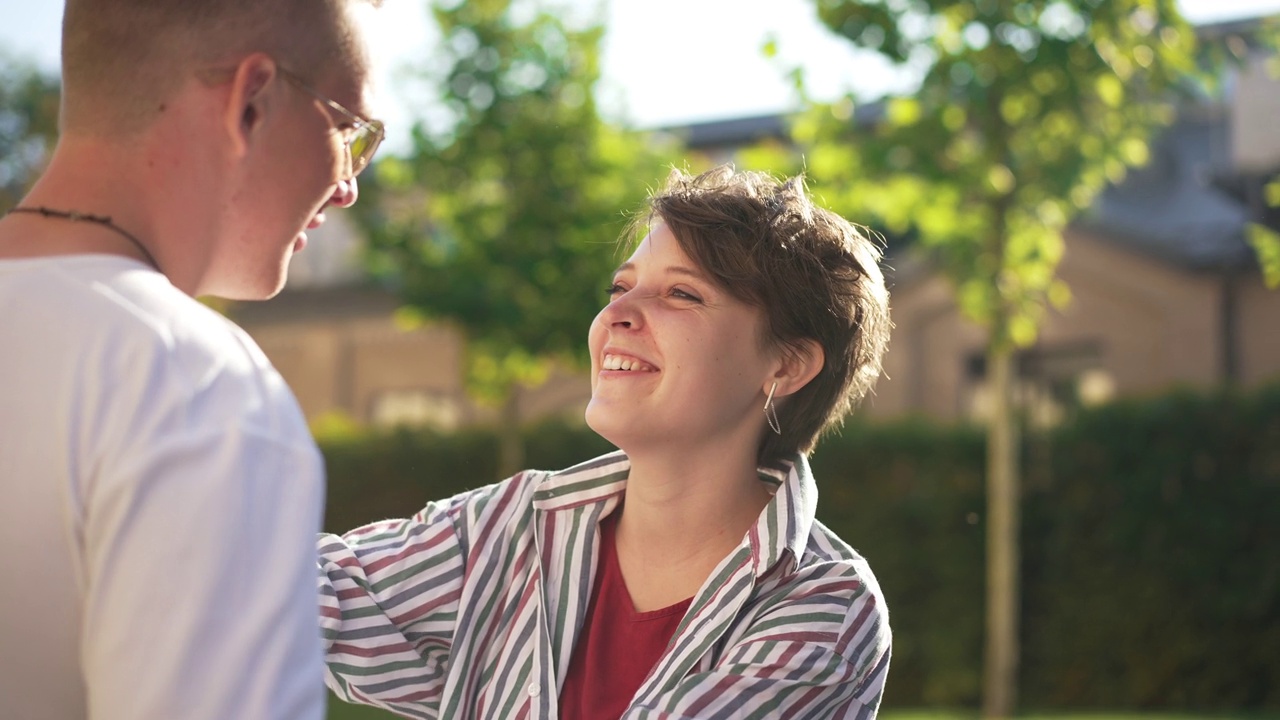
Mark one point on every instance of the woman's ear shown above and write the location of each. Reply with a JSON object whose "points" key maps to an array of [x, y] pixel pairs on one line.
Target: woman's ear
{"points": [[799, 363], [247, 103]]}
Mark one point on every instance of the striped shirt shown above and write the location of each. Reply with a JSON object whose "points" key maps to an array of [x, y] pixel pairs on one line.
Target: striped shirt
{"points": [[471, 608]]}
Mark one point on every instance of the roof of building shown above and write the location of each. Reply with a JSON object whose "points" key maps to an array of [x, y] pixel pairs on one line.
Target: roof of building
{"points": [[1186, 206], [732, 131], [1176, 207]]}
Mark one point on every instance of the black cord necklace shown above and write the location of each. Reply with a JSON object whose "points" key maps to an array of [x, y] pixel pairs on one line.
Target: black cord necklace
{"points": [[102, 220]]}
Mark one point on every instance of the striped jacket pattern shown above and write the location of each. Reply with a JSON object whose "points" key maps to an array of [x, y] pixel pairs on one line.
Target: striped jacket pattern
{"points": [[470, 608]]}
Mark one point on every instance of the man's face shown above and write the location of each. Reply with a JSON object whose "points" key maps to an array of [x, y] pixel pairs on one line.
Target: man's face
{"points": [[302, 168]]}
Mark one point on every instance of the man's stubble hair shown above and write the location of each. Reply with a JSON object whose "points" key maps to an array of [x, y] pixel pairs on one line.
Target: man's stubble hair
{"points": [[123, 59]]}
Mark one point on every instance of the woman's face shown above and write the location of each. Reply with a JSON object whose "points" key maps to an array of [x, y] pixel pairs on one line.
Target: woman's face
{"points": [[674, 357]]}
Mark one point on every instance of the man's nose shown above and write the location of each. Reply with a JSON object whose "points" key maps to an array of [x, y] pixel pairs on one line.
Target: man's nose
{"points": [[345, 194]]}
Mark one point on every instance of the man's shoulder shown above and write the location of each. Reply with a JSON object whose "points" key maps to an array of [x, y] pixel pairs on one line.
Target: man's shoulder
{"points": [[129, 326], [87, 296]]}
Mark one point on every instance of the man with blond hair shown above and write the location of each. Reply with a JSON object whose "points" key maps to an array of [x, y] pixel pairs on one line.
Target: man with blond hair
{"points": [[159, 490]]}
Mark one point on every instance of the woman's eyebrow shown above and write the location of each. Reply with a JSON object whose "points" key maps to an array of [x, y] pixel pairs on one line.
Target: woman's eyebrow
{"points": [[674, 269]]}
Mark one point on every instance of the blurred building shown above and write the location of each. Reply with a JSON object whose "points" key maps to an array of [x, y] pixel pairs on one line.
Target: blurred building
{"points": [[1166, 292], [344, 348]]}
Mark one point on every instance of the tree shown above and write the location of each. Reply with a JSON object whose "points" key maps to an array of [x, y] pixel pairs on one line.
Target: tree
{"points": [[504, 222], [1024, 110], [1267, 241], [28, 127]]}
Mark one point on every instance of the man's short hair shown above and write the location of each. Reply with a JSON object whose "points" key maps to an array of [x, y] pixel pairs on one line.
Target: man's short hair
{"points": [[813, 274], [123, 59]]}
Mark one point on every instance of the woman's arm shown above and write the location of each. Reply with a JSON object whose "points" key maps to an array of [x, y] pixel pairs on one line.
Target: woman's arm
{"points": [[388, 603]]}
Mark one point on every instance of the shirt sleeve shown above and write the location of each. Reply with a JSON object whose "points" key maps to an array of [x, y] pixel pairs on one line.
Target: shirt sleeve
{"points": [[821, 655], [389, 595], [199, 594]]}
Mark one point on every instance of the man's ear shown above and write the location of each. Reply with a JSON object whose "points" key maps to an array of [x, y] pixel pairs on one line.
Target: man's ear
{"points": [[796, 367], [249, 100]]}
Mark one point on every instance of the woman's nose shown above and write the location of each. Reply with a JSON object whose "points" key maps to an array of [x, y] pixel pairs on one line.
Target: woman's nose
{"points": [[623, 311]]}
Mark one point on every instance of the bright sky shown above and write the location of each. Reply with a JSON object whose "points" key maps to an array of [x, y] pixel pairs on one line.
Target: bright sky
{"points": [[665, 62]]}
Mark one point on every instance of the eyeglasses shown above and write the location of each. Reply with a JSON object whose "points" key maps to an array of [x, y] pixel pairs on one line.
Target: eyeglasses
{"points": [[365, 136]]}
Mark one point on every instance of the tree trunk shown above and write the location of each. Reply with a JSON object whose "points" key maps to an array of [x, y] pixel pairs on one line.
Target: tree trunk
{"points": [[1000, 674], [510, 444], [1229, 336]]}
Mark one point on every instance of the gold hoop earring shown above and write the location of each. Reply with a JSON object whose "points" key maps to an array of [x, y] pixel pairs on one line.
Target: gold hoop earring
{"points": [[771, 412]]}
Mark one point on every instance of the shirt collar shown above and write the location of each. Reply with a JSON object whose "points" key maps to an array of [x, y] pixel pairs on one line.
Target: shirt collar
{"points": [[781, 532], [589, 482]]}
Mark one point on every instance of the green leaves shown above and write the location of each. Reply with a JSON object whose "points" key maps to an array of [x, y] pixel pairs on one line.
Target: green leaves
{"points": [[1266, 242], [1271, 193], [1025, 110], [1110, 89], [903, 112], [505, 220], [28, 126]]}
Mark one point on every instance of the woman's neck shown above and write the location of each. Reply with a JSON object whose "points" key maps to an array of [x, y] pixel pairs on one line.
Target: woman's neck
{"points": [[682, 515]]}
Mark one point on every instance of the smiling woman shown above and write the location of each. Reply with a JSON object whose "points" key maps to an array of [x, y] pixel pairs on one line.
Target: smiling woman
{"points": [[684, 576]]}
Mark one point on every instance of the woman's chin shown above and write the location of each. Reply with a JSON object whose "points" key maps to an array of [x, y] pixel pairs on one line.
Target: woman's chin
{"points": [[597, 423], [606, 423]]}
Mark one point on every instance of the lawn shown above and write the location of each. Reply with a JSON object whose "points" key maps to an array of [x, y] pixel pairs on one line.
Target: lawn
{"points": [[1101, 715], [341, 711]]}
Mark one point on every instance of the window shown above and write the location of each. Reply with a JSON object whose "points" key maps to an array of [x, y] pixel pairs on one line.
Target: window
{"points": [[416, 408], [1052, 382]]}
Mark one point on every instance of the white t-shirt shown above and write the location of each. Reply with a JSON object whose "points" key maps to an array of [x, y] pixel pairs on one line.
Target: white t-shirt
{"points": [[159, 499]]}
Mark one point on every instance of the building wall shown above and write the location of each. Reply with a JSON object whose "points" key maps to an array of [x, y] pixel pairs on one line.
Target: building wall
{"points": [[1259, 333], [1156, 326], [924, 367], [372, 370], [306, 357], [1255, 145], [369, 369], [1135, 326]]}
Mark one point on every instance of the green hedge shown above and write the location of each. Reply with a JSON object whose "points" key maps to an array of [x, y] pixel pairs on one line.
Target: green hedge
{"points": [[1151, 543], [1153, 558]]}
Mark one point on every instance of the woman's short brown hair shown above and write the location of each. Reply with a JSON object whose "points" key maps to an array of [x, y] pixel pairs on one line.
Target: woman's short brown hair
{"points": [[814, 275]]}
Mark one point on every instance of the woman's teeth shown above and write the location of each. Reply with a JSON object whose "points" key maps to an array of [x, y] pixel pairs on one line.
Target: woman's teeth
{"points": [[619, 362]]}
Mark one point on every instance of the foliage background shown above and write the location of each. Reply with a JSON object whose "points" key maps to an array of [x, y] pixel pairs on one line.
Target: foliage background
{"points": [[28, 126]]}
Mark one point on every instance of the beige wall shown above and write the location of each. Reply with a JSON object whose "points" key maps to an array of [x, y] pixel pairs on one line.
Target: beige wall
{"points": [[365, 366], [1153, 326], [925, 364], [1156, 326], [352, 365], [1259, 333]]}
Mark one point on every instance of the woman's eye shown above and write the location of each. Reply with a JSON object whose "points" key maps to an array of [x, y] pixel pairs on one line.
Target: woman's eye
{"points": [[684, 295], [614, 289]]}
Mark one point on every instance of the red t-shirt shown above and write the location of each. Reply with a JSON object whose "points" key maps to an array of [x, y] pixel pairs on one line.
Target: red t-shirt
{"points": [[618, 646]]}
